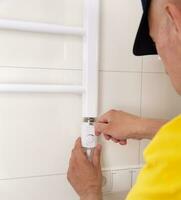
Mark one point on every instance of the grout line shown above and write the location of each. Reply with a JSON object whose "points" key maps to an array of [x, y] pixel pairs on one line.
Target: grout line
{"points": [[63, 174], [131, 178], [138, 72], [141, 101], [127, 71], [77, 69], [141, 88], [41, 68], [129, 167], [30, 177]]}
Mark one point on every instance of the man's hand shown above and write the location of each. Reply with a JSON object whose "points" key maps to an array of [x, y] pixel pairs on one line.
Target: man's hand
{"points": [[119, 126], [85, 176]]}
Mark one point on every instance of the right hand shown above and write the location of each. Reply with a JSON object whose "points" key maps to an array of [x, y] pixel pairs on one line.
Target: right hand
{"points": [[119, 126]]}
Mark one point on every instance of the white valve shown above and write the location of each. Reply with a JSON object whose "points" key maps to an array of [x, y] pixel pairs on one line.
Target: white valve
{"points": [[88, 137]]}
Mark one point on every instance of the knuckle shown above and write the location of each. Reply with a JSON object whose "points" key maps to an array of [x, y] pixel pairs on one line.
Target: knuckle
{"points": [[104, 132], [108, 128], [73, 150], [112, 112]]}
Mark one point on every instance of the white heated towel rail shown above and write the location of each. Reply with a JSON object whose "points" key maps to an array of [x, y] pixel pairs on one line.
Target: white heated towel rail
{"points": [[41, 88], [39, 27], [90, 33]]}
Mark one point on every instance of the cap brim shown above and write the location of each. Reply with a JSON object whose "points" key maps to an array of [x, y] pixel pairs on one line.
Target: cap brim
{"points": [[144, 44]]}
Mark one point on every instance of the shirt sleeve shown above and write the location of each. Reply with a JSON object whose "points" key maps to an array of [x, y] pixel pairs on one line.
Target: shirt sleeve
{"points": [[160, 177]]}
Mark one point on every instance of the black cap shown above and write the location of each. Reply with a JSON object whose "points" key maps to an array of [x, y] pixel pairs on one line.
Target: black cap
{"points": [[144, 44]]}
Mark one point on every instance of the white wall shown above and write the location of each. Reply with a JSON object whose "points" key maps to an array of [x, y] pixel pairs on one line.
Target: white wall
{"points": [[37, 132]]}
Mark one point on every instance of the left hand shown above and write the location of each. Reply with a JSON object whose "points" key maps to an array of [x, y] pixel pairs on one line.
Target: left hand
{"points": [[85, 176]]}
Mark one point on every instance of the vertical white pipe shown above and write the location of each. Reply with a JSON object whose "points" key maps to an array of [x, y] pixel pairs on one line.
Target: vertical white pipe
{"points": [[90, 64], [90, 75]]}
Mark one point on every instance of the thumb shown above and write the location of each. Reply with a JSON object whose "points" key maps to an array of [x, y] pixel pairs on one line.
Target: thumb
{"points": [[97, 156]]}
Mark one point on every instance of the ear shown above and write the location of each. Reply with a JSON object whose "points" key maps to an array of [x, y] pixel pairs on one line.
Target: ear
{"points": [[173, 12]]}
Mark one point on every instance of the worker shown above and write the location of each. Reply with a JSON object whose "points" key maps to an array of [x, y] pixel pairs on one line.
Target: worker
{"points": [[160, 177]]}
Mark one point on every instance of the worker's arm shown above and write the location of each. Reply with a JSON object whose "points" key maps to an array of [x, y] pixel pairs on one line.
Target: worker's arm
{"points": [[85, 176], [120, 126]]}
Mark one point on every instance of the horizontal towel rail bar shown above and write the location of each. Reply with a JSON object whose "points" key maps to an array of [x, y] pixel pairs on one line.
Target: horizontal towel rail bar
{"points": [[41, 88], [37, 27]]}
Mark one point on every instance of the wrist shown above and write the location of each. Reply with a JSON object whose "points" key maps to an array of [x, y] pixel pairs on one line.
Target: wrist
{"points": [[150, 127]]}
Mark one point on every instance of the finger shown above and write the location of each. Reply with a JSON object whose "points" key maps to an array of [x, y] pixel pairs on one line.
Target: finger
{"points": [[72, 156], [107, 137], [107, 130], [123, 142], [97, 156], [71, 162], [105, 118], [79, 156], [100, 128], [78, 149], [115, 140], [78, 143]]}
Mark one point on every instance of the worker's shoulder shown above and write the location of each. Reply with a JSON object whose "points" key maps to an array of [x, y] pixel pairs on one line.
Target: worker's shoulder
{"points": [[160, 176], [173, 125], [168, 137]]}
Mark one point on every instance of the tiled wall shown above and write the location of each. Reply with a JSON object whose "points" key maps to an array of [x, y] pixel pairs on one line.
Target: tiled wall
{"points": [[37, 131]]}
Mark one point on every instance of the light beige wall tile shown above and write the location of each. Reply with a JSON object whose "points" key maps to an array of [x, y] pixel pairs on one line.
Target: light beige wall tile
{"points": [[159, 99], [67, 12], [74, 12], [38, 130], [119, 24], [152, 64], [36, 50], [37, 133], [46, 188], [120, 91], [54, 188], [135, 174], [143, 145], [115, 155], [121, 181]]}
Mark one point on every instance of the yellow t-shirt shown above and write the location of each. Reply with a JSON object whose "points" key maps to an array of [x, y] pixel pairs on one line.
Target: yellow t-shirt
{"points": [[160, 178]]}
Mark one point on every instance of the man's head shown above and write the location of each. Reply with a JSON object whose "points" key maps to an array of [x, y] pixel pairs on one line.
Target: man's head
{"points": [[164, 21], [165, 29]]}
